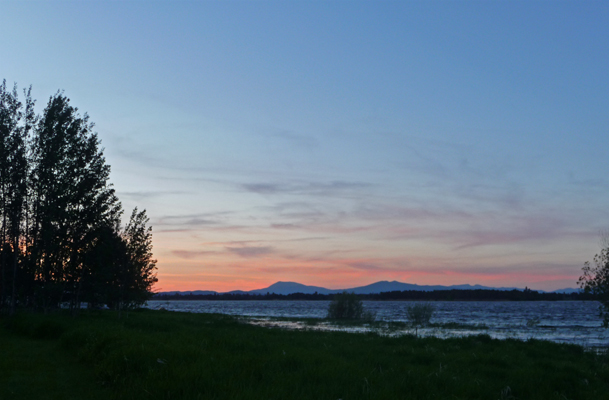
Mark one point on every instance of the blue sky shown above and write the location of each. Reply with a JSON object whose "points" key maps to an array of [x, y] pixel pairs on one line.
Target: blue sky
{"points": [[340, 143]]}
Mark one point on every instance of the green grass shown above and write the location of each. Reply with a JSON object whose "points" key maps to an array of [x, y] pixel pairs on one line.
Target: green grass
{"points": [[40, 369], [166, 355]]}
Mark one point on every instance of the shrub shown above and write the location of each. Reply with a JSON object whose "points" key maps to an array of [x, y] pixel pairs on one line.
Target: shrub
{"points": [[420, 314], [595, 280], [348, 306]]}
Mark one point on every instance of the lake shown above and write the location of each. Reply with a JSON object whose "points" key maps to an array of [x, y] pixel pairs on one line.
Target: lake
{"points": [[559, 321]]}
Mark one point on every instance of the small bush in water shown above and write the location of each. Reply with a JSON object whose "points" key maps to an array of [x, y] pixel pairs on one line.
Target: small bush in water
{"points": [[348, 306], [420, 314]]}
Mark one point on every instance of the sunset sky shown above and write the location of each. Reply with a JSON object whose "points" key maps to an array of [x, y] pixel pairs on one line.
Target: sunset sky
{"points": [[340, 143]]}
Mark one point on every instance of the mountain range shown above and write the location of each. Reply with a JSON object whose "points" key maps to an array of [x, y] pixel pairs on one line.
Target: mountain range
{"points": [[285, 288]]}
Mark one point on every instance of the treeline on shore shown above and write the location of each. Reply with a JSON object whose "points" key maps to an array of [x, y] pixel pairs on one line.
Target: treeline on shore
{"points": [[61, 238], [446, 295]]}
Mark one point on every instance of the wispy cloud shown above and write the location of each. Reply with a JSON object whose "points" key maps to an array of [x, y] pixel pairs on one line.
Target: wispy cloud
{"points": [[306, 188], [286, 226], [150, 194], [192, 220], [366, 266], [191, 254], [262, 188], [250, 251]]}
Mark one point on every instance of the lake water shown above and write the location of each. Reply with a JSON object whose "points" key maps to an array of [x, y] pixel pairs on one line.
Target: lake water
{"points": [[559, 321]]}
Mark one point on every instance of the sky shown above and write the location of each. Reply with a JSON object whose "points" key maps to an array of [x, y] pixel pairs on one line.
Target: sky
{"points": [[339, 143]]}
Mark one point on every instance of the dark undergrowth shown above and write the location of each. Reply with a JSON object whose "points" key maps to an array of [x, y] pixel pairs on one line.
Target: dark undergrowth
{"points": [[165, 355]]}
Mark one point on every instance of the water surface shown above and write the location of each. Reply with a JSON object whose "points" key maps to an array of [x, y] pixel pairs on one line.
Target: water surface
{"points": [[575, 322]]}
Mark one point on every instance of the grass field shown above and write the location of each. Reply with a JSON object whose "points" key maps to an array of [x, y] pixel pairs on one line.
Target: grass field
{"points": [[165, 355]]}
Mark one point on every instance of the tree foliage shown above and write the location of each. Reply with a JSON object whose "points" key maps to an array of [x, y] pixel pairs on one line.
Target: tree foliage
{"points": [[15, 125], [61, 240], [420, 314], [138, 275], [595, 280], [348, 306]]}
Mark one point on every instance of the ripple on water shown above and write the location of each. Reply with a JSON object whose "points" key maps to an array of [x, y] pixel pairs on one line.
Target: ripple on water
{"points": [[559, 321]]}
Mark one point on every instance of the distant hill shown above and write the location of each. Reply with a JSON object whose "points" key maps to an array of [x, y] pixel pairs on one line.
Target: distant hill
{"points": [[385, 286], [292, 287], [285, 288]]}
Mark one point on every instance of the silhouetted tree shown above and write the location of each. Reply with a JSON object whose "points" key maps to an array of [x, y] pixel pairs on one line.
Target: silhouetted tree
{"points": [[595, 279], [61, 239], [106, 261], [72, 199], [122, 270], [139, 273], [9, 119], [15, 126]]}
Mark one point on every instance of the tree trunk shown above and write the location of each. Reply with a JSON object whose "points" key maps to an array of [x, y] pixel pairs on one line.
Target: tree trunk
{"points": [[14, 288], [3, 249]]}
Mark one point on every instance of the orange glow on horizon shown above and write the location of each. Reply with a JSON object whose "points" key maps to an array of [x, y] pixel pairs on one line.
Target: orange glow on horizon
{"points": [[340, 274], [224, 266]]}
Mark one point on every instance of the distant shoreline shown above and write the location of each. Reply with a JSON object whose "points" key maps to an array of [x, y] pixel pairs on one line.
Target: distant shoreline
{"points": [[436, 295]]}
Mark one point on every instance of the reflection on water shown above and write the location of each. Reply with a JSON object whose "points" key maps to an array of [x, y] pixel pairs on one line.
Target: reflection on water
{"points": [[559, 321]]}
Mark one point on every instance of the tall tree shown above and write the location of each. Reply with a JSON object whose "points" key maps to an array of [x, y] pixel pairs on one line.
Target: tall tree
{"points": [[18, 174], [122, 270], [15, 126], [60, 221], [72, 198], [139, 273], [595, 279], [9, 119], [105, 262]]}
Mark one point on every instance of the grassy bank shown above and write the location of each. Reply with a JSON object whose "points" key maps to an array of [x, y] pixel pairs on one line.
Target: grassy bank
{"points": [[165, 355]]}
